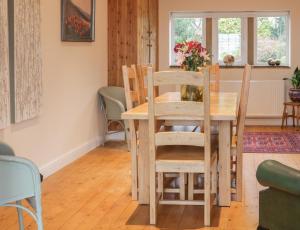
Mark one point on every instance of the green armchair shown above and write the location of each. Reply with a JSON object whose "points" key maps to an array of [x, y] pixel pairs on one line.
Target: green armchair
{"points": [[113, 103], [279, 205]]}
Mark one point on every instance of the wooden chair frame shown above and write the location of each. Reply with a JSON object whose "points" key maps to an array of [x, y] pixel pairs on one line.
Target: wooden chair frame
{"points": [[237, 147], [181, 110]]}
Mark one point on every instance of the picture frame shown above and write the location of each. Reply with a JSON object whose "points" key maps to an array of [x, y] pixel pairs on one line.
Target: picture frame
{"points": [[78, 20]]}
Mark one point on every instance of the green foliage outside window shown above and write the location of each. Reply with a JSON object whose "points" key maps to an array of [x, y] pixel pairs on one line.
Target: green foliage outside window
{"points": [[229, 25], [272, 39], [188, 29]]}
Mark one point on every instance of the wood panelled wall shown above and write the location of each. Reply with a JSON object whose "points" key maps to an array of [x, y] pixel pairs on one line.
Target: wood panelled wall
{"points": [[128, 38]]}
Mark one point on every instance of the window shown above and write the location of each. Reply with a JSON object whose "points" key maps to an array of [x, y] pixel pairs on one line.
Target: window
{"points": [[231, 40], [272, 39], [185, 28], [228, 33]]}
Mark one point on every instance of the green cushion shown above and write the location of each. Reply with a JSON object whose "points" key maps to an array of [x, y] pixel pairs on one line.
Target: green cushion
{"points": [[273, 174]]}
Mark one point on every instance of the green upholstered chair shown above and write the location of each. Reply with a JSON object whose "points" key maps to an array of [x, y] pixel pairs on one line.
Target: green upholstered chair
{"points": [[113, 102], [20, 180], [279, 205]]}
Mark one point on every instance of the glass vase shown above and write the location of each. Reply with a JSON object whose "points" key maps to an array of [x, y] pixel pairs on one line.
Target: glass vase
{"points": [[191, 93]]}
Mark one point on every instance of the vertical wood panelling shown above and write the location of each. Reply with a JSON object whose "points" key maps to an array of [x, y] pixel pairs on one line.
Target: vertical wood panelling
{"points": [[154, 30], [4, 73], [122, 29], [128, 27], [26, 72]]}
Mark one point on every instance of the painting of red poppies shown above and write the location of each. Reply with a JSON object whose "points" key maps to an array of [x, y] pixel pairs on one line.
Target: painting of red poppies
{"points": [[78, 18]]}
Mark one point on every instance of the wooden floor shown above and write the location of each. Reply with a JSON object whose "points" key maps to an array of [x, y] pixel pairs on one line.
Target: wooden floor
{"points": [[94, 193]]}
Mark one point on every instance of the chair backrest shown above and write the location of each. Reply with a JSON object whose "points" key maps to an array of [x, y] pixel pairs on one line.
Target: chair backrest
{"points": [[6, 150], [19, 179], [142, 77], [131, 86], [215, 74], [243, 103], [179, 110], [112, 99]]}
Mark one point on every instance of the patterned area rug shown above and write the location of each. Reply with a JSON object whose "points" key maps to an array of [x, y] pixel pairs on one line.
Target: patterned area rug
{"points": [[272, 142]]}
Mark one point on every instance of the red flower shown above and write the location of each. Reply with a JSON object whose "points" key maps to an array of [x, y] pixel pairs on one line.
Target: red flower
{"points": [[194, 46], [178, 46]]}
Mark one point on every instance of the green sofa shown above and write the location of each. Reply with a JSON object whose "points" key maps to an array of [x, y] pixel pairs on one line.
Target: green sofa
{"points": [[279, 205]]}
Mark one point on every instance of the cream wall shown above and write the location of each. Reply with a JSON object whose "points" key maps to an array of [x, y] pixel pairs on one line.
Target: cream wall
{"points": [[69, 124], [167, 6]]}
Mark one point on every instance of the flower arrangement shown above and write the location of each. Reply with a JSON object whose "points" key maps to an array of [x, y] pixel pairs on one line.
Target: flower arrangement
{"points": [[78, 26], [191, 55]]}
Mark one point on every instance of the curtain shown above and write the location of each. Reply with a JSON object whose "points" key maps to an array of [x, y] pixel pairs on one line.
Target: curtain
{"points": [[27, 73], [4, 68]]}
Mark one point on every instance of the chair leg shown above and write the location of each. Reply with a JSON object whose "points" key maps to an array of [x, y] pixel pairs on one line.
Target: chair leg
{"points": [[182, 186], [39, 216], [20, 216], [153, 207], [239, 177], [214, 178], [207, 197], [160, 183], [191, 186]]}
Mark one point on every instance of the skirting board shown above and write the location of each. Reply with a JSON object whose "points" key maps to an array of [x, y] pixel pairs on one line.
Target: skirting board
{"points": [[69, 157]]}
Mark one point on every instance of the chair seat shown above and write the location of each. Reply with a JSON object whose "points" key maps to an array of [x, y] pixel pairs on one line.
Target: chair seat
{"points": [[188, 159]]}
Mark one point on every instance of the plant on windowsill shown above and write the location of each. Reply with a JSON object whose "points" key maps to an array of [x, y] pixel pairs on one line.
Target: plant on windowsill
{"points": [[294, 92], [191, 56]]}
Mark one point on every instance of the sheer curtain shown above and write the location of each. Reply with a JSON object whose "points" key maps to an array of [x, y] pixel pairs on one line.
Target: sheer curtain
{"points": [[4, 72]]}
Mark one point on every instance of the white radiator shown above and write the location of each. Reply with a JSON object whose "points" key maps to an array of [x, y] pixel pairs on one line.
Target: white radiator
{"points": [[266, 97]]}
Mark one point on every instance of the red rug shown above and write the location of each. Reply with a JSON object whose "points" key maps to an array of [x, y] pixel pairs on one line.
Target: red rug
{"points": [[272, 142]]}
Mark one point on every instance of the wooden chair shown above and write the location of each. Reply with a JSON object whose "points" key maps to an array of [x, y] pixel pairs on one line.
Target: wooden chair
{"points": [[168, 177], [237, 139], [176, 151], [142, 77], [132, 94], [135, 94]]}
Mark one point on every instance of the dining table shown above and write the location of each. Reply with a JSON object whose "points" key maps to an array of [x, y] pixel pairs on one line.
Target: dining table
{"points": [[223, 110]]}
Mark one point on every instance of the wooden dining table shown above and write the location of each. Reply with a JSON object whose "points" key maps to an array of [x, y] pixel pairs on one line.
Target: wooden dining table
{"points": [[223, 113]]}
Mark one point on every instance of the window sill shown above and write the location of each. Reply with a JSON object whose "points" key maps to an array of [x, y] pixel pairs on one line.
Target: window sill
{"points": [[242, 66]]}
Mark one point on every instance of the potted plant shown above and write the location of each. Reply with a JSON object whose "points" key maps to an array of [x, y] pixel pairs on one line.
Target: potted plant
{"points": [[190, 56], [294, 92]]}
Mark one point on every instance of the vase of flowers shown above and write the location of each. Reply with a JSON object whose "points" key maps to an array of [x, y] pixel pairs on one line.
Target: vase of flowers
{"points": [[191, 56]]}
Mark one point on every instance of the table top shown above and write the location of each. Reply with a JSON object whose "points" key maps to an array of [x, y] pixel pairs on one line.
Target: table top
{"points": [[223, 106]]}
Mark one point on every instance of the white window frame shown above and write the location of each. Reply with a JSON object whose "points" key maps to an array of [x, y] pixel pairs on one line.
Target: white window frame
{"points": [[244, 37], [215, 16], [288, 29], [174, 15]]}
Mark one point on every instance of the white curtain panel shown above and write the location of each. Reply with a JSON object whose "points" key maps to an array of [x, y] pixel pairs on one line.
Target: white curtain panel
{"points": [[4, 68], [27, 60]]}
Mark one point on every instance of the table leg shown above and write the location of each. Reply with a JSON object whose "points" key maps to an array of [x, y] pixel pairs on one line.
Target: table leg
{"points": [[224, 163], [143, 162]]}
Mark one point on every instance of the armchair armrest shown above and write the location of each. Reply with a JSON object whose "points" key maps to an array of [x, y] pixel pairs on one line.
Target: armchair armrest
{"points": [[113, 100], [273, 174]]}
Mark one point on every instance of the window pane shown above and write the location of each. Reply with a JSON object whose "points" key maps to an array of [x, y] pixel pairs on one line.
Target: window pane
{"points": [[230, 38], [272, 39], [186, 29]]}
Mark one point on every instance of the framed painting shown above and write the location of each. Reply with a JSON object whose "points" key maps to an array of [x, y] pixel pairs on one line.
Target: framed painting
{"points": [[78, 20]]}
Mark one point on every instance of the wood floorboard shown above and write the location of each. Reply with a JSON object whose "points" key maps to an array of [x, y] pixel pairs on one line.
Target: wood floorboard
{"points": [[93, 193]]}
